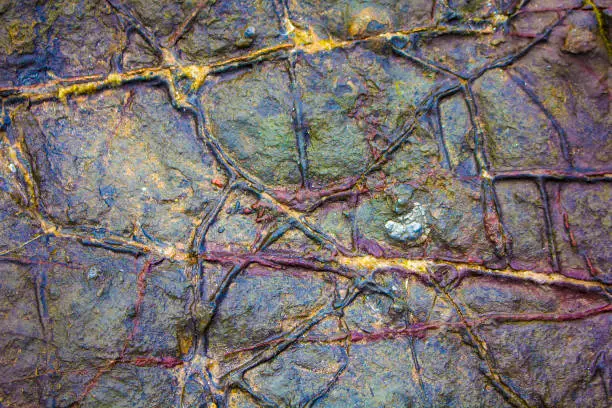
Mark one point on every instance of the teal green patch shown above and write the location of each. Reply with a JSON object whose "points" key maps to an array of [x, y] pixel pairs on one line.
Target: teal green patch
{"points": [[251, 117]]}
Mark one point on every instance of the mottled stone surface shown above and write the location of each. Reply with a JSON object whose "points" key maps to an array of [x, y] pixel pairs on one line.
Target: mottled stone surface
{"points": [[298, 203]]}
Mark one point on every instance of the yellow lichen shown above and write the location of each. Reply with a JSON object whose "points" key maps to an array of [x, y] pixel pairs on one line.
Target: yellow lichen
{"points": [[310, 42], [422, 266], [78, 89], [14, 151], [114, 79], [486, 175], [371, 263], [22, 36], [499, 19], [601, 25], [196, 73]]}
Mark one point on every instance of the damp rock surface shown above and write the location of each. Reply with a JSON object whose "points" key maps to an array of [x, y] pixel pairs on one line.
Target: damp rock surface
{"points": [[303, 203]]}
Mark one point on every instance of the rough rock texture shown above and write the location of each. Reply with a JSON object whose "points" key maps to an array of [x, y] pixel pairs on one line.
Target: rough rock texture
{"points": [[302, 203]]}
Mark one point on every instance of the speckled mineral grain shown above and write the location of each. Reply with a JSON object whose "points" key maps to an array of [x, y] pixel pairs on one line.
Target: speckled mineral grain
{"points": [[299, 203]]}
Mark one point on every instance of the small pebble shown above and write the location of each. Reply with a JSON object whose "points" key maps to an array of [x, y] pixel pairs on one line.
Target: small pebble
{"points": [[249, 32], [247, 38], [409, 228], [374, 27], [399, 41], [93, 272], [579, 40]]}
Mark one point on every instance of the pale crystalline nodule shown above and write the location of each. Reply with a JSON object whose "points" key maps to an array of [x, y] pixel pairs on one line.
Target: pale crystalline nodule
{"points": [[411, 228]]}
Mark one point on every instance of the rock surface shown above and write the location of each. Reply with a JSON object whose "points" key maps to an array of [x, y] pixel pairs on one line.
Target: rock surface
{"points": [[302, 203]]}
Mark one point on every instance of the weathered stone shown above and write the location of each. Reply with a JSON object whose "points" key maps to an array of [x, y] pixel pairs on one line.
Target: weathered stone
{"points": [[524, 215], [251, 114], [356, 19], [154, 194], [218, 30], [304, 203], [57, 39]]}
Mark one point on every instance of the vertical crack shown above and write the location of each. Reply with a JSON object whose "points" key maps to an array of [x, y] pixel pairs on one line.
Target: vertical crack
{"points": [[482, 350], [563, 142], [494, 227], [548, 223], [301, 133], [436, 122]]}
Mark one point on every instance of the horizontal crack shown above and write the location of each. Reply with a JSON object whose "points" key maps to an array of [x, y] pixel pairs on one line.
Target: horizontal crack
{"points": [[420, 329], [421, 267], [63, 88]]}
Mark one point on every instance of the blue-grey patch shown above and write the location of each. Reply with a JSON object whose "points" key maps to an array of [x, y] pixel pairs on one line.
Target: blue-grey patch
{"points": [[269, 107], [374, 26], [108, 194], [332, 105], [249, 32]]}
